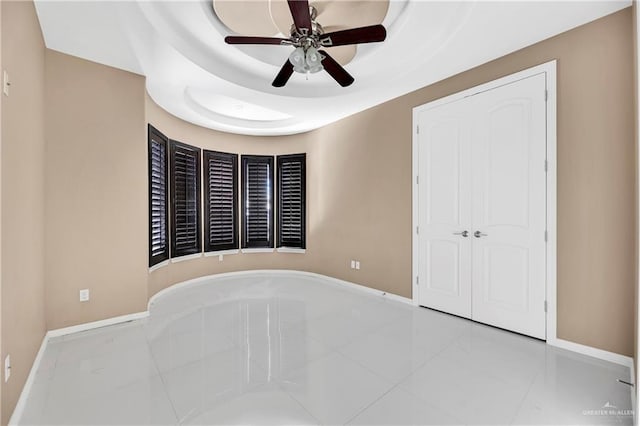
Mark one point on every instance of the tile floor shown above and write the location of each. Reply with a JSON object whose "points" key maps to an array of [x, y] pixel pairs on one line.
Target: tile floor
{"points": [[283, 350]]}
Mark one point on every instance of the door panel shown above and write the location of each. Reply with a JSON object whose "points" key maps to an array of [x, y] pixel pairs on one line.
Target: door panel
{"points": [[507, 172], [509, 206], [444, 206], [443, 153], [502, 266], [443, 266]]}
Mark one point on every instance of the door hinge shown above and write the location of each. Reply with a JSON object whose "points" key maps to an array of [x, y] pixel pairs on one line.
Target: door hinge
{"points": [[418, 129], [417, 230], [417, 280], [545, 306], [546, 165], [546, 95], [417, 180], [546, 236]]}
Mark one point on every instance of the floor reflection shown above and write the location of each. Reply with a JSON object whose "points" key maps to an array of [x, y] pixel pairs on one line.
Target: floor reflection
{"points": [[282, 349]]}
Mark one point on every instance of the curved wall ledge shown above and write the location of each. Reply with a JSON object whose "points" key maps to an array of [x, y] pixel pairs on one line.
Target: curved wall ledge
{"points": [[270, 273]]}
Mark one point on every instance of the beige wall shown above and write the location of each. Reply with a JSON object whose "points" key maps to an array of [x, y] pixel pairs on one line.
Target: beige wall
{"points": [[596, 181], [23, 321], [636, 71], [1, 68], [96, 191]]}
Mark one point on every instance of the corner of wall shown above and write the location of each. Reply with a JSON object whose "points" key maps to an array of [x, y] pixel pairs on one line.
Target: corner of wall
{"points": [[22, 168]]}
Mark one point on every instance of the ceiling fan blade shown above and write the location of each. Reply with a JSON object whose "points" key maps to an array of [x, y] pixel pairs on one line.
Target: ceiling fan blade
{"points": [[336, 71], [255, 40], [300, 13], [371, 34], [284, 75]]}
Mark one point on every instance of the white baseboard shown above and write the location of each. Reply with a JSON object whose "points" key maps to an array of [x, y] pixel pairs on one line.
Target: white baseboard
{"points": [[97, 324], [349, 284], [22, 400], [632, 389], [593, 352], [332, 280]]}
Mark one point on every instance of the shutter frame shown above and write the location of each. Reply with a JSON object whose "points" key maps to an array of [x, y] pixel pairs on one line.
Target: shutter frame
{"points": [[210, 244], [291, 185], [256, 223], [156, 139], [191, 242]]}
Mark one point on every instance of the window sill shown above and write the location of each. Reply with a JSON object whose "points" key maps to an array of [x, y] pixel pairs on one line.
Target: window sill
{"points": [[291, 250], [258, 250], [187, 257], [221, 252], [158, 266]]}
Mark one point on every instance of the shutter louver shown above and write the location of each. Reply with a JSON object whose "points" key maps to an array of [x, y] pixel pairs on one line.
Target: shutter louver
{"points": [[257, 175], [291, 200], [185, 191], [221, 194], [158, 203]]}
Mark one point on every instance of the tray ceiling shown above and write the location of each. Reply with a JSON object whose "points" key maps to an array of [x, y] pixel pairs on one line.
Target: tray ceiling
{"points": [[194, 75]]}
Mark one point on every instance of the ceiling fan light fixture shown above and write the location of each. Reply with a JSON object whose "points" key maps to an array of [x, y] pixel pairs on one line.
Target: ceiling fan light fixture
{"points": [[306, 60], [298, 59], [313, 60], [306, 36]]}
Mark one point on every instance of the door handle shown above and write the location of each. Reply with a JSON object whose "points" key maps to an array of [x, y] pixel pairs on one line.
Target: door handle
{"points": [[479, 234], [465, 234]]}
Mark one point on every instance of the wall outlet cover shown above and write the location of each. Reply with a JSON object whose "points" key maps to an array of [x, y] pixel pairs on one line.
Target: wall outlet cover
{"points": [[357, 264], [7, 368], [84, 295], [5, 83]]}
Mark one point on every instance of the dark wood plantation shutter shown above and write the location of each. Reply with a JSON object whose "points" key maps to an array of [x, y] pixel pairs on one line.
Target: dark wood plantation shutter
{"points": [[158, 197], [291, 200], [185, 196], [257, 201], [221, 201]]}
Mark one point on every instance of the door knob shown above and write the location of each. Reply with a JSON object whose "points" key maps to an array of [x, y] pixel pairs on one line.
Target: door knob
{"points": [[479, 234], [463, 233]]}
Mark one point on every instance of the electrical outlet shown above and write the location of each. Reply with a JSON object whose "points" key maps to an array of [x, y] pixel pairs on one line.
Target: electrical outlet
{"points": [[7, 368], [84, 295], [353, 264], [5, 83], [220, 257], [357, 264]]}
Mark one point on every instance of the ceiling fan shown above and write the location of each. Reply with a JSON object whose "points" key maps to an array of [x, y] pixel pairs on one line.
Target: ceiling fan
{"points": [[307, 36]]}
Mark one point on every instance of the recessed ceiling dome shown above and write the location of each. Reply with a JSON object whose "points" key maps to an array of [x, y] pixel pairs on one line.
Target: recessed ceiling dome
{"points": [[272, 18]]}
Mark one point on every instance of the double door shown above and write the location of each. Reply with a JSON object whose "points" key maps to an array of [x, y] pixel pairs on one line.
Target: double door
{"points": [[482, 207]]}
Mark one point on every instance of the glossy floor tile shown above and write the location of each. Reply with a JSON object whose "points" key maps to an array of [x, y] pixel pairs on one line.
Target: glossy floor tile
{"points": [[283, 350]]}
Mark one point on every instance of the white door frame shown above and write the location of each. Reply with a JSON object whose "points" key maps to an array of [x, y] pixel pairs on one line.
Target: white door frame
{"points": [[551, 256]]}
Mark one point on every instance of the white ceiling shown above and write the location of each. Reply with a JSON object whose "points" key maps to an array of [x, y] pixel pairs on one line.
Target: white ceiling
{"points": [[193, 74]]}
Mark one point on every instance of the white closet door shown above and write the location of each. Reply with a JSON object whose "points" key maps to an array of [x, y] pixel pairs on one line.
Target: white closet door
{"points": [[509, 211], [445, 209]]}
